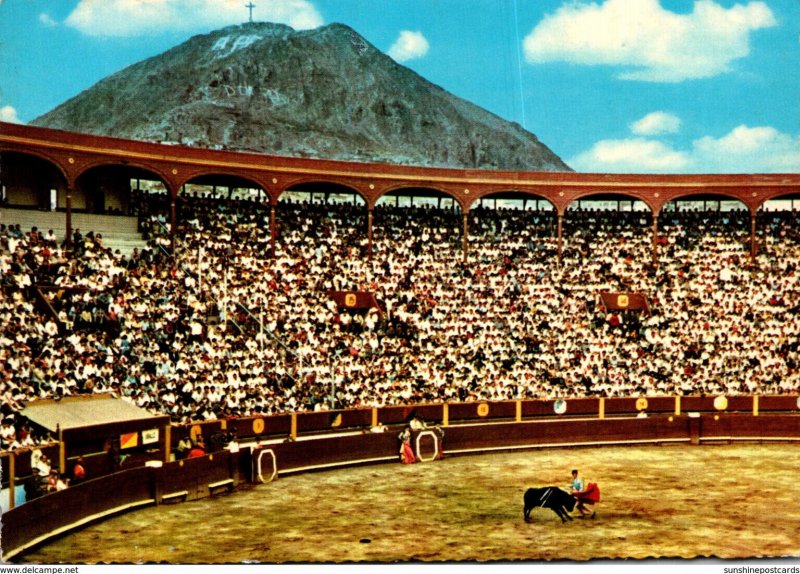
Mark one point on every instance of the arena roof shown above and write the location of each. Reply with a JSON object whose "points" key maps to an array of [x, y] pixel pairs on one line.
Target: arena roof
{"points": [[73, 154]]}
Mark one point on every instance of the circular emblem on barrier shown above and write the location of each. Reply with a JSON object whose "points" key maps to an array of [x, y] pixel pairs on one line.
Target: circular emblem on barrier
{"points": [[350, 300], [641, 404], [560, 407], [721, 403], [258, 426], [798, 402], [670, 419], [195, 431], [483, 409]]}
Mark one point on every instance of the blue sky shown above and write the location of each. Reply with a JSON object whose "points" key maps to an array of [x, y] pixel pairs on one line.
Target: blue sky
{"points": [[649, 86]]}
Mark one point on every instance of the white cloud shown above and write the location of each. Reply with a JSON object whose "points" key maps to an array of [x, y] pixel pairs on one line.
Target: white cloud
{"points": [[47, 20], [144, 17], [9, 114], [635, 155], [409, 46], [651, 43], [742, 150], [749, 150], [657, 123]]}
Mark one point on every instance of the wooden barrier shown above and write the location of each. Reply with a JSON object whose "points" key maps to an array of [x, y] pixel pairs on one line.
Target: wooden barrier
{"points": [[58, 512], [559, 433], [477, 431], [451, 414], [53, 514], [194, 475], [321, 452], [334, 451]]}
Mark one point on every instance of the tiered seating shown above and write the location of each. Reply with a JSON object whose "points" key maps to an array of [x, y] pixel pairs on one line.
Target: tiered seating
{"points": [[224, 329], [119, 232]]}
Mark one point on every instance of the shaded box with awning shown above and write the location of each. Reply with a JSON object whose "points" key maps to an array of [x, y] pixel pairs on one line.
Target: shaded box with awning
{"points": [[94, 425]]}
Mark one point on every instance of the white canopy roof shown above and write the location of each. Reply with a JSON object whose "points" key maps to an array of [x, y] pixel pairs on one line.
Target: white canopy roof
{"points": [[83, 411]]}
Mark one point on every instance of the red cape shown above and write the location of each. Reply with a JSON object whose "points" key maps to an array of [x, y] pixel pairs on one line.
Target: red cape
{"points": [[590, 495]]}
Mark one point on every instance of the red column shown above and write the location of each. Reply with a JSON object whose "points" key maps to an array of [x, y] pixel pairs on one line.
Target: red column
{"points": [[465, 241], [655, 240], [369, 232], [272, 229], [560, 242], [173, 221], [68, 239]]}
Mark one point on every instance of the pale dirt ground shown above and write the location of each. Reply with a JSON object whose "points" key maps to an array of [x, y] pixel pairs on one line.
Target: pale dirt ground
{"points": [[681, 501]]}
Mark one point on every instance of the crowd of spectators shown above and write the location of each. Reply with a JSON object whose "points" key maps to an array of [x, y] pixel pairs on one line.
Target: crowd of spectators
{"points": [[221, 328]]}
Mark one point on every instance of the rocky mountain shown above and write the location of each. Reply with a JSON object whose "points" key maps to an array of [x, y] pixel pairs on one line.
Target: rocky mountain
{"points": [[324, 93]]}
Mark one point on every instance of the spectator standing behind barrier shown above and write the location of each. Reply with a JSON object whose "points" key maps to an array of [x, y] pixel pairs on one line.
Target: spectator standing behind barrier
{"points": [[114, 457], [55, 482], [417, 423], [183, 448], [197, 451], [33, 486], [43, 465], [78, 472]]}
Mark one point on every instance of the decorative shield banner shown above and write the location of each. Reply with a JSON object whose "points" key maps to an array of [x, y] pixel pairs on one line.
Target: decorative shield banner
{"points": [[624, 301], [355, 300], [258, 426]]}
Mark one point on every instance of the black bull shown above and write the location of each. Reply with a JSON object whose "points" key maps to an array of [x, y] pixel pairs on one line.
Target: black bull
{"points": [[550, 497]]}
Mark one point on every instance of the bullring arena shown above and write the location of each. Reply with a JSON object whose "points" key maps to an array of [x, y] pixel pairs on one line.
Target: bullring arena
{"points": [[292, 316]]}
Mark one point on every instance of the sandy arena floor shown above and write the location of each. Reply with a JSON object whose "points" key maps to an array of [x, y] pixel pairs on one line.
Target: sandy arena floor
{"points": [[727, 501]]}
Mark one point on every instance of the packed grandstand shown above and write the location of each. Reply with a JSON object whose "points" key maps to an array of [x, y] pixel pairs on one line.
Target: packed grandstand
{"points": [[221, 327]]}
